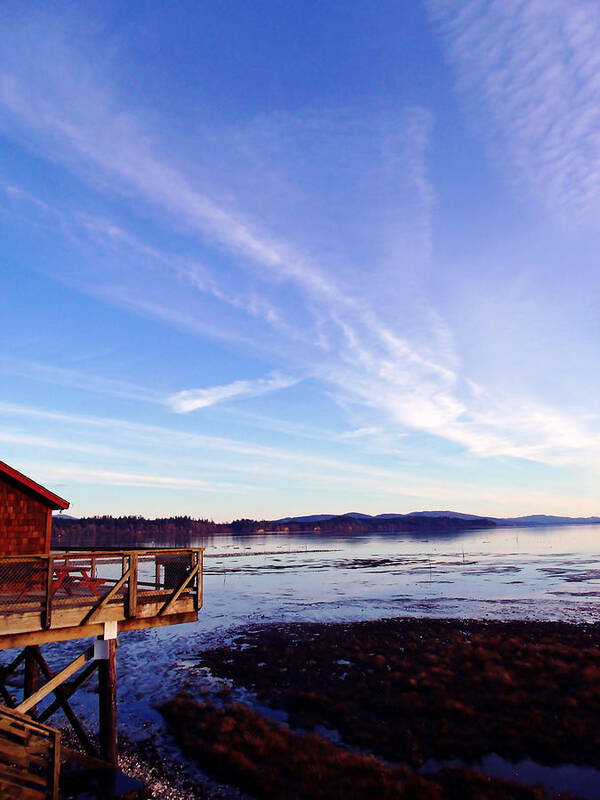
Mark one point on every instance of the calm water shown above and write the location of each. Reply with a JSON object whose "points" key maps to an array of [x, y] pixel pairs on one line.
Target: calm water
{"points": [[539, 573]]}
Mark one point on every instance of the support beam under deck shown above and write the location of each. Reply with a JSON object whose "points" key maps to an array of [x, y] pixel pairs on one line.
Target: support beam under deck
{"points": [[107, 704]]}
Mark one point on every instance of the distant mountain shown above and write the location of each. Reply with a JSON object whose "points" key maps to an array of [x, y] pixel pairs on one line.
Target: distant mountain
{"points": [[309, 518], [365, 524], [358, 515], [530, 520], [323, 517], [546, 519], [453, 514]]}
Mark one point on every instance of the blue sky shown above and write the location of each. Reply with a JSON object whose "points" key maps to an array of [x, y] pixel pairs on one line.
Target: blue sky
{"points": [[290, 257]]}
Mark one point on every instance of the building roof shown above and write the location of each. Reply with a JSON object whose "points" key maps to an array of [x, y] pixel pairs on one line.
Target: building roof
{"points": [[47, 497]]}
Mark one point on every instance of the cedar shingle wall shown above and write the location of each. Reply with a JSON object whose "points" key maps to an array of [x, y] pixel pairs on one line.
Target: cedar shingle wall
{"points": [[22, 521]]}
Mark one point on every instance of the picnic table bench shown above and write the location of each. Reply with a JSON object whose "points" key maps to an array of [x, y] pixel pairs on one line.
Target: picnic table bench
{"points": [[66, 576]]}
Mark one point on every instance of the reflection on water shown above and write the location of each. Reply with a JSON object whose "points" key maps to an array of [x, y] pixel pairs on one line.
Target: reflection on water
{"points": [[539, 573]]}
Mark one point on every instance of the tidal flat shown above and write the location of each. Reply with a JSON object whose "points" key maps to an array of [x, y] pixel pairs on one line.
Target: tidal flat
{"points": [[407, 708]]}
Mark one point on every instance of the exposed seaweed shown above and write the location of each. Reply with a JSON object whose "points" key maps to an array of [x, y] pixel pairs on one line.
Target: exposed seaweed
{"points": [[267, 759], [409, 690]]}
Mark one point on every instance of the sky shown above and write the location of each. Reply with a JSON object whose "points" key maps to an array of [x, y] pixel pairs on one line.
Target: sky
{"points": [[281, 257]]}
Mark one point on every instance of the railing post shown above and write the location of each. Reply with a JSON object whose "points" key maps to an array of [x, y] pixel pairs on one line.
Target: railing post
{"points": [[124, 567], [199, 579], [48, 605], [133, 582]]}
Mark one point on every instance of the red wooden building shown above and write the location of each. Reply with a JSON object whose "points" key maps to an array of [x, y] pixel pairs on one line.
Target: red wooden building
{"points": [[49, 596], [25, 514]]}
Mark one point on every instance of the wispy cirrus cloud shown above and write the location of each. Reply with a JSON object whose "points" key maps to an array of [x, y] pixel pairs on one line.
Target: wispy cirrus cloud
{"points": [[189, 271], [203, 464], [341, 309], [181, 450], [323, 267], [75, 473], [139, 437], [79, 379], [534, 66], [181, 402], [194, 399], [113, 142]]}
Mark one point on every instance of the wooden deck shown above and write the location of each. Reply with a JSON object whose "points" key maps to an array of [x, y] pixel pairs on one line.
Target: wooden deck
{"points": [[76, 594]]}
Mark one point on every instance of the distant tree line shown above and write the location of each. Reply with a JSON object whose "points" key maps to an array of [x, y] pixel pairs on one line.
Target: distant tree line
{"points": [[107, 531]]}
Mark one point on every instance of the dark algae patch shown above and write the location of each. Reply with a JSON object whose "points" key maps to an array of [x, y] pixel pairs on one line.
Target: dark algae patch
{"points": [[410, 690], [240, 746]]}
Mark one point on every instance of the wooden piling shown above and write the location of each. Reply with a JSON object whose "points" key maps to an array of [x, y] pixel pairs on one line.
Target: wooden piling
{"points": [[107, 705], [30, 681]]}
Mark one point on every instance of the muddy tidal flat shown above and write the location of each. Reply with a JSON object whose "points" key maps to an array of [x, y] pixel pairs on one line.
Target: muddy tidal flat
{"points": [[401, 708]]}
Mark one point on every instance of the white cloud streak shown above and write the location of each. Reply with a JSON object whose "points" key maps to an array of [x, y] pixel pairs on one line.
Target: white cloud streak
{"points": [[181, 402], [139, 443], [194, 399]]}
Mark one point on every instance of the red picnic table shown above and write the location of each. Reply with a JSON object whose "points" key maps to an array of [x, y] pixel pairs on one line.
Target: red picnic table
{"points": [[65, 577]]}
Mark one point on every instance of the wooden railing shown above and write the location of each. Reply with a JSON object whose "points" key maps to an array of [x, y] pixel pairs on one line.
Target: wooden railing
{"points": [[87, 587], [29, 758]]}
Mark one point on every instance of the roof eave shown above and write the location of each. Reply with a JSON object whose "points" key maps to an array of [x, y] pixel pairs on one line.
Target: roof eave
{"points": [[52, 500]]}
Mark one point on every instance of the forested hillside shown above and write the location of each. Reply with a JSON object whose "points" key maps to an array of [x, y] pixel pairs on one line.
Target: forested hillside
{"points": [[106, 531]]}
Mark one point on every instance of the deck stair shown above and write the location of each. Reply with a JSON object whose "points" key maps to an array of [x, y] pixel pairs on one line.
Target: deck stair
{"points": [[29, 758], [34, 766]]}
